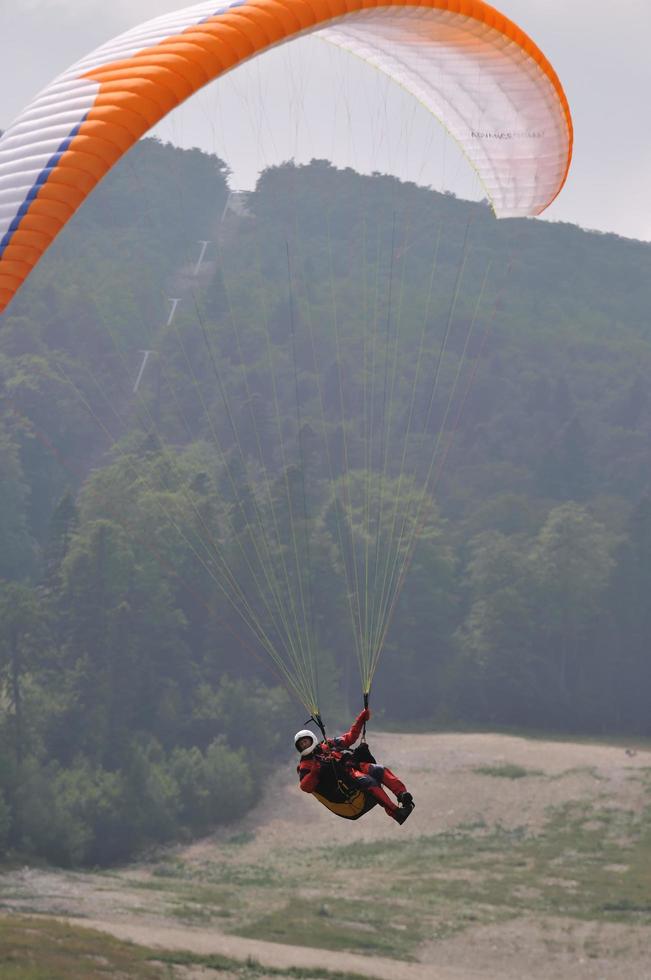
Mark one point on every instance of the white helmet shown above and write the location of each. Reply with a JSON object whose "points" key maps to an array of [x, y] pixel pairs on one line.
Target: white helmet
{"points": [[306, 733]]}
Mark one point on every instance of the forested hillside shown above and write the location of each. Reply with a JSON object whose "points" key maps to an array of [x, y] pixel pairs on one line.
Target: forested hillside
{"points": [[349, 340]]}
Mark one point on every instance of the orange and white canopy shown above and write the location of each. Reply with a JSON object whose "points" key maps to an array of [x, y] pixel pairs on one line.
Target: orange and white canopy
{"points": [[475, 70]]}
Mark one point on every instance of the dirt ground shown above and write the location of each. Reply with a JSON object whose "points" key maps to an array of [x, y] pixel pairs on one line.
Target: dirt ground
{"points": [[458, 780]]}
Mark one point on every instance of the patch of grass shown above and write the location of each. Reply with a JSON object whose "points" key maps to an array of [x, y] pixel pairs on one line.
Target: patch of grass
{"points": [[498, 872], [227, 874], [400, 857], [507, 770], [244, 837], [193, 902], [191, 913], [154, 885], [171, 869], [256, 875], [196, 891], [43, 949], [222, 873], [591, 771], [624, 905], [214, 897], [641, 774], [375, 927], [252, 968]]}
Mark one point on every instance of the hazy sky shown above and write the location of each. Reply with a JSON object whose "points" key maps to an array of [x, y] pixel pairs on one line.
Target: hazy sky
{"points": [[310, 100]]}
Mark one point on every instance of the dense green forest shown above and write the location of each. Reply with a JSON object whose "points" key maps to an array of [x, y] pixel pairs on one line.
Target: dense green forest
{"points": [[351, 341]]}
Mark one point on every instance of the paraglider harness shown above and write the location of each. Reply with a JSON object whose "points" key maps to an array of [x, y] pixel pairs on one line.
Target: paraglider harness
{"points": [[336, 789]]}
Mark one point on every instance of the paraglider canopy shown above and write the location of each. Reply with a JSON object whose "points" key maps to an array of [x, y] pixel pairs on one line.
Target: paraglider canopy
{"points": [[474, 69]]}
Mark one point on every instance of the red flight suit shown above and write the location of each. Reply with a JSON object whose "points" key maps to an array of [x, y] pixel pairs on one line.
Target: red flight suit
{"points": [[367, 775]]}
